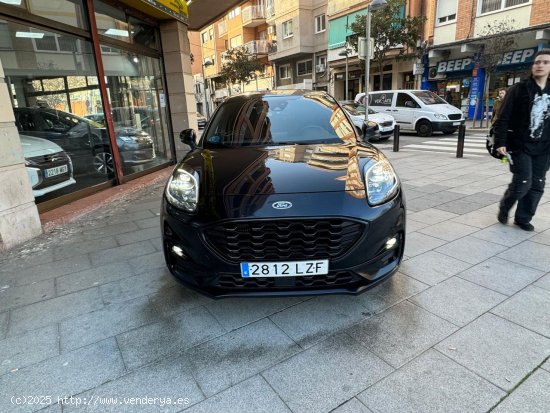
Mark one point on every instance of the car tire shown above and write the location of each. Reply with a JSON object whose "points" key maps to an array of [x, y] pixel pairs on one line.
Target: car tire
{"points": [[424, 128], [103, 162]]}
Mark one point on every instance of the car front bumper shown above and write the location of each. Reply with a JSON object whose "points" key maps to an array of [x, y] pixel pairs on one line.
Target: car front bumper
{"points": [[447, 125], [365, 264]]}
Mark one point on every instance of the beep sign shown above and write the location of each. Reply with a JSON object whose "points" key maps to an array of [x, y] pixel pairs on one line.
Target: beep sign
{"points": [[457, 65], [517, 57]]}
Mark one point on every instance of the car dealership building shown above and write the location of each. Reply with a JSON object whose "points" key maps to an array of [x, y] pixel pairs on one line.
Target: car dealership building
{"points": [[93, 93]]}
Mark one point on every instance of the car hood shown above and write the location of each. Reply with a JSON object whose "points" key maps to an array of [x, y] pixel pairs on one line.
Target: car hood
{"points": [[281, 169], [37, 146]]}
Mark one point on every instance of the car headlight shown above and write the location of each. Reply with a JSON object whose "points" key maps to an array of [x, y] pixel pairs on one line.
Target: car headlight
{"points": [[440, 116], [127, 139], [182, 190], [381, 181]]}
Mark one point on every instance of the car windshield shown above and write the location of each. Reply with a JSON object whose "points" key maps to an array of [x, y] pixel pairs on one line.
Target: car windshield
{"points": [[357, 110], [429, 98], [278, 120]]}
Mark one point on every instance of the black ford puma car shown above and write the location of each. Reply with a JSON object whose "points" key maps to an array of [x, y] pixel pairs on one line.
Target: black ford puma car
{"points": [[281, 196]]}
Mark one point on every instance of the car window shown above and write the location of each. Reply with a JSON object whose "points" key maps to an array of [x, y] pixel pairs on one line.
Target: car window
{"points": [[25, 121], [404, 100], [380, 99], [278, 120], [429, 98]]}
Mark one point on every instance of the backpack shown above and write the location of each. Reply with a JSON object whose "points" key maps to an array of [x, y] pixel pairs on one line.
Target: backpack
{"points": [[490, 145]]}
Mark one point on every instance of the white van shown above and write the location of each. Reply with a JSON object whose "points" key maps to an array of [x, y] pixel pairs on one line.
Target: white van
{"points": [[418, 110]]}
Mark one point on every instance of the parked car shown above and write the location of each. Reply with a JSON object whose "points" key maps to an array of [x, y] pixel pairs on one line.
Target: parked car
{"points": [[84, 140], [49, 168], [201, 120], [417, 110], [282, 196], [356, 111]]}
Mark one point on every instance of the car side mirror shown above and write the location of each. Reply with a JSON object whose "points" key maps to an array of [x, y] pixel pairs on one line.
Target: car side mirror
{"points": [[410, 104], [189, 137]]}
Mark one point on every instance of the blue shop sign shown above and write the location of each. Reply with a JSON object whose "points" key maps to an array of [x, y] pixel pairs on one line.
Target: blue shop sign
{"points": [[516, 57], [457, 65]]}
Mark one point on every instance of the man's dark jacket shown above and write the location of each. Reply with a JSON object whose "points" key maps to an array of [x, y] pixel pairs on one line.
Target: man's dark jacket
{"points": [[512, 128]]}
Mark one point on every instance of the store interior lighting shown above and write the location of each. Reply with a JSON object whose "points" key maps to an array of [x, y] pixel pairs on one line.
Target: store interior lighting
{"points": [[117, 32], [11, 2], [30, 35]]}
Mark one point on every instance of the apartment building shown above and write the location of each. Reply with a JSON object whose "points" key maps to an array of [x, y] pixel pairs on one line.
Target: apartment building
{"points": [[397, 73], [297, 35], [456, 43]]}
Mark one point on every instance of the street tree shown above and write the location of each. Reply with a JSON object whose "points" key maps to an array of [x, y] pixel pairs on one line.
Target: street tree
{"points": [[239, 66], [497, 39], [390, 29]]}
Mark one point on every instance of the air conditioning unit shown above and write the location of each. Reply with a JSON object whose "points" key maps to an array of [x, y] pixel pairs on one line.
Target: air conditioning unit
{"points": [[434, 75], [271, 30], [319, 68]]}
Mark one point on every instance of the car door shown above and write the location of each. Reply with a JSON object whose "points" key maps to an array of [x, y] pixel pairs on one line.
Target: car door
{"points": [[381, 101], [404, 110]]}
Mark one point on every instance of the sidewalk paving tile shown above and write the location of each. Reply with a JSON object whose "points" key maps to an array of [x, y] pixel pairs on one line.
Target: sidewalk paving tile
{"points": [[233, 313], [352, 406], [418, 243], [431, 216], [75, 247], [111, 320], [531, 254], [176, 299], [148, 222], [20, 351], [143, 205], [546, 366], [459, 207], [252, 395], [124, 217], [448, 230], [53, 408], [139, 235], [401, 333], [62, 375], [500, 275], [3, 324], [169, 379], [225, 361], [432, 188], [542, 237], [529, 308], [13, 296], [471, 250], [54, 310], [93, 277], [457, 300], [398, 288], [136, 286], [507, 235], [431, 383], [326, 375], [413, 225], [432, 267], [531, 396], [544, 282], [41, 272], [477, 219], [108, 230], [147, 262], [168, 336], [127, 251], [497, 350]]}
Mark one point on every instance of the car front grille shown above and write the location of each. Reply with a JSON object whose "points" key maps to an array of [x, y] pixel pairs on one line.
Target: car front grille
{"points": [[332, 279], [48, 161], [277, 240], [386, 124], [455, 116]]}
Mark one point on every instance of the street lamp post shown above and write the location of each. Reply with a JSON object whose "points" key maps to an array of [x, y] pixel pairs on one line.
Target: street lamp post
{"points": [[372, 7], [345, 52], [207, 62]]}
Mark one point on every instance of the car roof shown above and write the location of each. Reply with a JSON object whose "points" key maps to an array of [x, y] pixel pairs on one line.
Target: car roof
{"points": [[275, 93]]}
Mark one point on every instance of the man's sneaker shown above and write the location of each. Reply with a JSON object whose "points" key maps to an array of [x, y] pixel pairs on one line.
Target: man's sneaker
{"points": [[526, 226], [502, 217]]}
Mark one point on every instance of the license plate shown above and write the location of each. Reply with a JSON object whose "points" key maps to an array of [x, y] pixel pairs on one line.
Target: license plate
{"points": [[284, 268], [58, 170], [456, 123]]}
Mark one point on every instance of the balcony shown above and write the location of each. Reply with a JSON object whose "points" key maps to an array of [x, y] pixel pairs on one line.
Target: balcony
{"points": [[270, 11], [253, 16], [272, 47], [257, 47], [222, 28]]}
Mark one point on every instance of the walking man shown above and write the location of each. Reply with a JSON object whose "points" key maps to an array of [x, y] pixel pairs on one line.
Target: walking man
{"points": [[523, 131]]}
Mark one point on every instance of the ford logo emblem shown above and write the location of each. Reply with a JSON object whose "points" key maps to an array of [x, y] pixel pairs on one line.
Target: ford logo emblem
{"points": [[282, 205]]}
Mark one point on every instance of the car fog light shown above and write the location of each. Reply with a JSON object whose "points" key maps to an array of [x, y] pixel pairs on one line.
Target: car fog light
{"points": [[178, 251], [391, 243]]}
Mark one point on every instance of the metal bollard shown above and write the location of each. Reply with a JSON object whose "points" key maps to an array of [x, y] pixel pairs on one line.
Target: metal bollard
{"points": [[460, 142], [396, 138]]}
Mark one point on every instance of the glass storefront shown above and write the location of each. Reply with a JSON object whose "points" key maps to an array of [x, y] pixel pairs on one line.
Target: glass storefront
{"points": [[52, 76]]}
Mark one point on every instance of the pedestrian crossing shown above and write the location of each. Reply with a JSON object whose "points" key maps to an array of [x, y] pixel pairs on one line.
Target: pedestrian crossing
{"points": [[474, 145]]}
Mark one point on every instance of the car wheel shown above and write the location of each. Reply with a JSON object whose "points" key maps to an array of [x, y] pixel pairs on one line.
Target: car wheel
{"points": [[424, 128], [103, 163], [449, 131]]}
